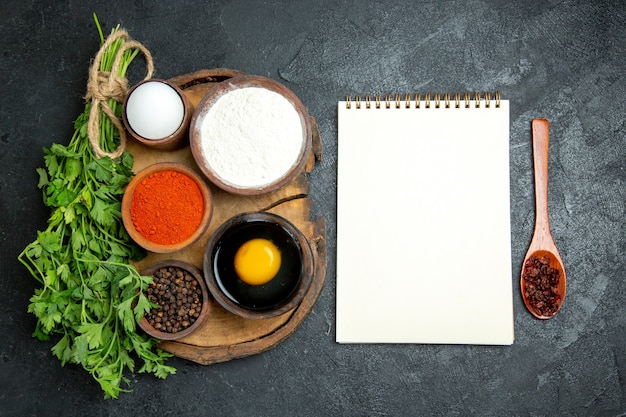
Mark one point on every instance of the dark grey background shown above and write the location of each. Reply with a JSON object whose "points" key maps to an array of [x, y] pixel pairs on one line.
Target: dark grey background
{"points": [[562, 60]]}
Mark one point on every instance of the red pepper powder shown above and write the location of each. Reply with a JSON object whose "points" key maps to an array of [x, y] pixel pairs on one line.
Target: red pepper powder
{"points": [[167, 207]]}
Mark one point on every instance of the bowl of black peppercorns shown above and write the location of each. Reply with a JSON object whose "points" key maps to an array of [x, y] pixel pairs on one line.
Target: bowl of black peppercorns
{"points": [[181, 300]]}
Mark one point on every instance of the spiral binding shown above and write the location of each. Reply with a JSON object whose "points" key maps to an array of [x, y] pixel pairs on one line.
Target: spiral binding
{"points": [[436, 100]]}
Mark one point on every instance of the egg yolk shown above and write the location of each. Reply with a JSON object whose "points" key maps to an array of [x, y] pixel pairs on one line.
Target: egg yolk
{"points": [[257, 261]]}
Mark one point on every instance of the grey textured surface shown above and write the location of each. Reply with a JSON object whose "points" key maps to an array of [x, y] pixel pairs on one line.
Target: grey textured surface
{"points": [[561, 60]]}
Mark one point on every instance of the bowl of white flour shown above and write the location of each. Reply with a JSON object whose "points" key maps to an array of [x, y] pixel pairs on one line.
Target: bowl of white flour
{"points": [[250, 135]]}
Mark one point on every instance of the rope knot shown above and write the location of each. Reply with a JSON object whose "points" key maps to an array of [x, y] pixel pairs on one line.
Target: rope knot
{"points": [[106, 85]]}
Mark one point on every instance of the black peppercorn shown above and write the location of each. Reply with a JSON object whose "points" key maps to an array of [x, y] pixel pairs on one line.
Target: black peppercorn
{"points": [[171, 290]]}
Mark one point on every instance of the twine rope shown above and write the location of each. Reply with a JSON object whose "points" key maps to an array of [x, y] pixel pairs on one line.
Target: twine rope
{"points": [[105, 85]]}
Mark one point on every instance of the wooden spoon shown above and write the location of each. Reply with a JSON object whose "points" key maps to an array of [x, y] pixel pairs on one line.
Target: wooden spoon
{"points": [[542, 243]]}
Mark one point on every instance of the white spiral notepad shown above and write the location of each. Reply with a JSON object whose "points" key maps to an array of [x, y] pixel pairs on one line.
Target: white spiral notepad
{"points": [[423, 223]]}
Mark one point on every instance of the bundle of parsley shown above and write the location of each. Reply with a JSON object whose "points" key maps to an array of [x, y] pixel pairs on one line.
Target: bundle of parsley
{"points": [[91, 297]]}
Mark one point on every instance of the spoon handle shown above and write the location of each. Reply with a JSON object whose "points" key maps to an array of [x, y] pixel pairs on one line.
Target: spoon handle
{"points": [[540, 135]]}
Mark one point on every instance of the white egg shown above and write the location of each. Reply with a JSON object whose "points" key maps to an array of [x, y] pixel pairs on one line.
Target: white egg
{"points": [[154, 110]]}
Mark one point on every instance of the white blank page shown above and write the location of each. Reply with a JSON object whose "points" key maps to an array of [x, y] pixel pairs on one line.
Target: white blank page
{"points": [[423, 225]]}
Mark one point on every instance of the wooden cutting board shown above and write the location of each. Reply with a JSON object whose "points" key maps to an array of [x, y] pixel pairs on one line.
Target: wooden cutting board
{"points": [[225, 336]]}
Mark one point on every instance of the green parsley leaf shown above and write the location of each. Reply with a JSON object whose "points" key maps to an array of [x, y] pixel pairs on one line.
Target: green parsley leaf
{"points": [[73, 168], [49, 241], [43, 177], [62, 350]]}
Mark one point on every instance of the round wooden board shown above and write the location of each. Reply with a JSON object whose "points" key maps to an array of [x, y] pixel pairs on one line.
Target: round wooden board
{"points": [[225, 336]]}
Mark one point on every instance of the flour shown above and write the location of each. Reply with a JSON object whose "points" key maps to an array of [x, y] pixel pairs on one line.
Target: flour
{"points": [[251, 137]]}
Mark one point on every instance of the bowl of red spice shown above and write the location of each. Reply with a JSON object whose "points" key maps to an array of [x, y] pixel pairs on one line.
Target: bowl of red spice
{"points": [[180, 297], [166, 207]]}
